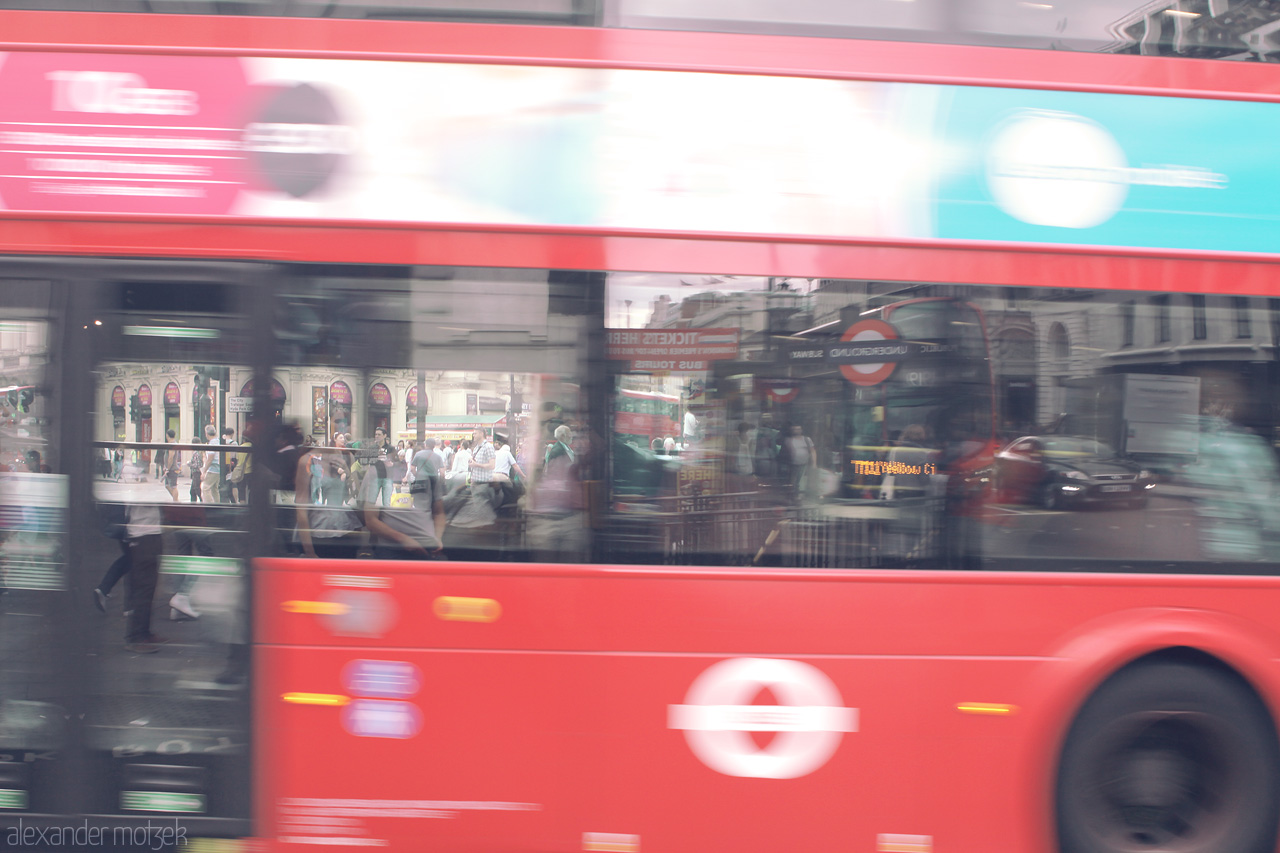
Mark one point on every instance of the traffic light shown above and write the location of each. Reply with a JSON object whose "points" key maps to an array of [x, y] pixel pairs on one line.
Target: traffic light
{"points": [[210, 373], [26, 397], [133, 407]]}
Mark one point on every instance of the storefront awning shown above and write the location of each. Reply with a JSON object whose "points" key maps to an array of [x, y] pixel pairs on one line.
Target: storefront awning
{"points": [[454, 427]]}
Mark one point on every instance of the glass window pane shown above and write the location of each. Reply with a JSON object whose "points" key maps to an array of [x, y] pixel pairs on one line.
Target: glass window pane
{"points": [[872, 424], [439, 413]]}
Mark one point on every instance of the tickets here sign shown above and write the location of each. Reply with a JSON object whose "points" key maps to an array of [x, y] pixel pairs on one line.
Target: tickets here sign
{"points": [[672, 350]]}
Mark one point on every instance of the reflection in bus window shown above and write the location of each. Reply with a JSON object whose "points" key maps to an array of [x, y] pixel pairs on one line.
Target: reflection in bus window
{"points": [[432, 421], [170, 497], [950, 427], [32, 489]]}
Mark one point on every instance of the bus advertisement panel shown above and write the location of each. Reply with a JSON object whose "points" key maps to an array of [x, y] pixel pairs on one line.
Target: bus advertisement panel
{"points": [[320, 139]]}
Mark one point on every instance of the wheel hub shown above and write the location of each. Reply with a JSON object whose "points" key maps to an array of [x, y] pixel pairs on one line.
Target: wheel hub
{"points": [[1156, 787]]}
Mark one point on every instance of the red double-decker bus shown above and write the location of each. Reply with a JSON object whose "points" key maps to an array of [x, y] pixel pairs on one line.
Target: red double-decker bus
{"points": [[648, 414], [971, 540]]}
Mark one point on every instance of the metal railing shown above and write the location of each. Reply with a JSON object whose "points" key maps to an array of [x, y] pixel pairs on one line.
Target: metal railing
{"points": [[764, 529], [724, 529]]}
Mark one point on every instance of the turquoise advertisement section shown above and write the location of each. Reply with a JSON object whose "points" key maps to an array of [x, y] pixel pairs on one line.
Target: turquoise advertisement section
{"points": [[1107, 170]]}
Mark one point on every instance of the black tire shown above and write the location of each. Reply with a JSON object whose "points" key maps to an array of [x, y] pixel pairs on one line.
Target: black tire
{"points": [[1173, 757], [1050, 497]]}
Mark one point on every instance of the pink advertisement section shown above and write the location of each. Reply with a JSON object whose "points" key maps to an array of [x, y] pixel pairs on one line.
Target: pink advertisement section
{"points": [[102, 133], [129, 134]]}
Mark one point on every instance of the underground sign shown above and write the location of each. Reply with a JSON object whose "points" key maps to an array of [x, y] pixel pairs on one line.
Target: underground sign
{"points": [[717, 718]]}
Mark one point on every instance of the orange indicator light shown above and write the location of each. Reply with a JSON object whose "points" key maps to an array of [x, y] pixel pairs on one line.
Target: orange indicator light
{"points": [[453, 608], [990, 709], [321, 608], [333, 699]]}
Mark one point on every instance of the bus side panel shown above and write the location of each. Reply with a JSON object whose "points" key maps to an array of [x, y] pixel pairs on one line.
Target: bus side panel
{"points": [[694, 709], [538, 751]]}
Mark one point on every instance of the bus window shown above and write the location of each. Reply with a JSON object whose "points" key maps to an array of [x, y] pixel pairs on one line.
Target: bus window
{"points": [[445, 416], [911, 408]]}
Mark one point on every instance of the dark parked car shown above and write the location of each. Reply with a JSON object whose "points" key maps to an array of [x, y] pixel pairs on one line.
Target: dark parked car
{"points": [[1062, 471]]}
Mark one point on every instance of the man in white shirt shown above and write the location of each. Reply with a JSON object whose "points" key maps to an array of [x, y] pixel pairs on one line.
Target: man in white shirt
{"points": [[459, 468], [691, 428], [504, 463]]}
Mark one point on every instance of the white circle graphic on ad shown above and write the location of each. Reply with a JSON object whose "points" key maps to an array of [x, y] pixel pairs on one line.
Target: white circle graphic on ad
{"points": [[1057, 169], [717, 718]]}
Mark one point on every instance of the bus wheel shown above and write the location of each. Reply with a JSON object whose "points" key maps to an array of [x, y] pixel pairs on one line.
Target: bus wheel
{"points": [[1170, 756]]}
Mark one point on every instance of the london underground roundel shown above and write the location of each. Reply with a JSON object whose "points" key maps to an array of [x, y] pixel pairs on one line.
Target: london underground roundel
{"points": [[717, 718], [780, 391], [869, 333]]}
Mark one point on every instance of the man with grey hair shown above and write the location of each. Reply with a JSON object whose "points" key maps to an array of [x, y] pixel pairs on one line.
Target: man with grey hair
{"points": [[557, 525]]}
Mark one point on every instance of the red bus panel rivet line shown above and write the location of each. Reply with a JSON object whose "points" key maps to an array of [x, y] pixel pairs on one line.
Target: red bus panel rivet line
{"points": [[895, 842], [319, 608], [329, 699], [988, 709], [610, 842], [453, 608]]}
